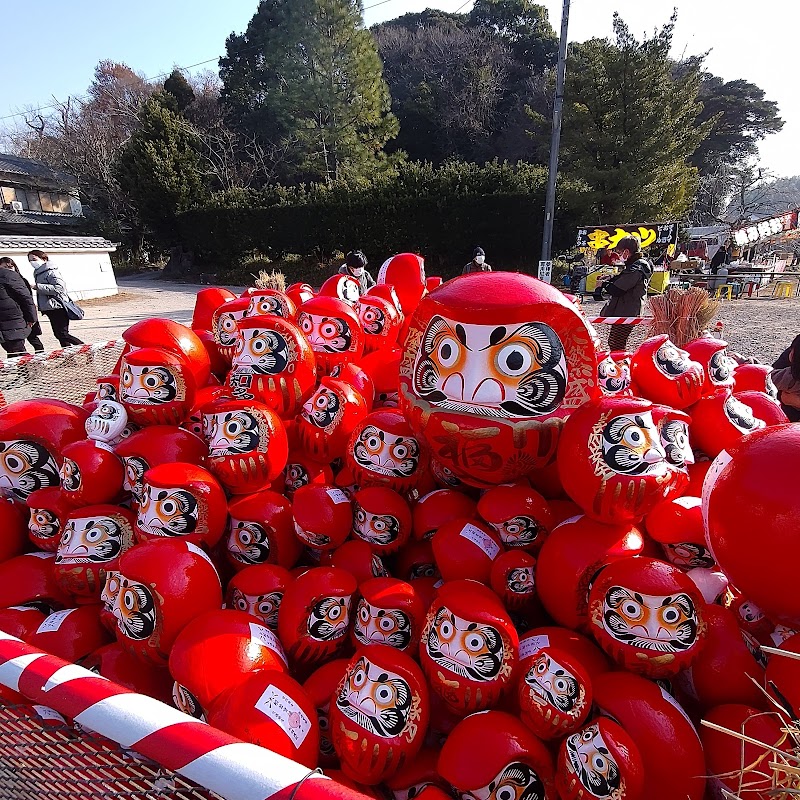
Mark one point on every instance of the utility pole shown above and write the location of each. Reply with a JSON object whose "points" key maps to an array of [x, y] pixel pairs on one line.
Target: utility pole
{"points": [[555, 142]]}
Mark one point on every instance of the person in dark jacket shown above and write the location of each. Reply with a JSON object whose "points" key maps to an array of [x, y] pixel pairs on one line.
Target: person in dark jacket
{"points": [[722, 256], [17, 311], [628, 289], [355, 265], [50, 288], [786, 377], [36, 330], [478, 263]]}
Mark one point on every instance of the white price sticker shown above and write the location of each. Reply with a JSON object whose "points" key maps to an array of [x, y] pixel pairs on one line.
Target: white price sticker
{"points": [[688, 502], [42, 555], [48, 713], [268, 639], [338, 496], [531, 645], [481, 539], [282, 710], [54, 621]]}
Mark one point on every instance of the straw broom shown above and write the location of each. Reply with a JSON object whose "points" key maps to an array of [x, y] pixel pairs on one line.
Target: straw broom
{"points": [[683, 314]]}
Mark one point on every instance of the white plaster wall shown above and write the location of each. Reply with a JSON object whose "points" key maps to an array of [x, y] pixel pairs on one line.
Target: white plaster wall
{"points": [[87, 273]]}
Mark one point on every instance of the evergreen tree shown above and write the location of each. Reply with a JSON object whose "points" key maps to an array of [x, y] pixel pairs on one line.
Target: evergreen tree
{"points": [[177, 86], [631, 126], [160, 168], [305, 77]]}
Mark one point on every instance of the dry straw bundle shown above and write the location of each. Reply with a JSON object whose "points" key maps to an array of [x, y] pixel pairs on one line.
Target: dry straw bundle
{"points": [[683, 314], [271, 280]]}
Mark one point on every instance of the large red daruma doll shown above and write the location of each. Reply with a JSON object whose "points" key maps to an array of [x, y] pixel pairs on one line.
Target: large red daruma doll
{"points": [[383, 451], [612, 462], [717, 364], [206, 303], [163, 585], [666, 374], [493, 756], [648, 616], [380, 321], [342, 287], [492, 365], [468, 647], [270, 301], [333, 330], [247, 444], [720, 420], [379, 716], [32, 436], [405, 272], [156, 387], [273, 364]]}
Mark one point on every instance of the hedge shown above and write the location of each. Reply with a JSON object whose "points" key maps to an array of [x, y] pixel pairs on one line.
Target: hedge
{"points": [[441, 213]]}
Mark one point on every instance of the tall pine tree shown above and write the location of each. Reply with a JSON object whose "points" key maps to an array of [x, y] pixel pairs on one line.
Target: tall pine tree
{"points": [[631, 126], [305, 78]]}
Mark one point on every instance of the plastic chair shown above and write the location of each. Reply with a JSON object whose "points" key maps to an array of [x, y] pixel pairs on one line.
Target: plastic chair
{"points": [[782, 289], [726, 289], [749, 286]]}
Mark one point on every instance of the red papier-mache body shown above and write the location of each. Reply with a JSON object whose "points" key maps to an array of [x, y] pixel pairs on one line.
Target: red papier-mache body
{"points": [[72, 633], [206, 303], [92, 542], [162, 586], [219, 649], [225, 325], [466, 548], [468, 647], [258, 590], [260, 531], [665, 374], [614, 373], [513, 579], [382, 518], [440, 506], [91, 473], [184, 501], [718, 366], [48, 511], [321, 687], [648, 616], [328, 418], [519, 514], [492, 366], [613, 463], [157, 387], [405, 274], [333, 330], [379, 714], [720, 420], [30, 578], [754, 378], [323, 516], [493, 756], [380, 321], [32, 435], [247, 444], [273, 364], [677, 525], [342, 287], [315, 615]]}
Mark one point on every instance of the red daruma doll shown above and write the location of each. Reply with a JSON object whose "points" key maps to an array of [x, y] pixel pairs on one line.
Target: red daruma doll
{"points": [[333, 330], [382, 518], [258, 590], [247, 444], [380, 714], [469, 647], [666, 374], [314, 616], [273, 364], [389, 612], [380, 321]]}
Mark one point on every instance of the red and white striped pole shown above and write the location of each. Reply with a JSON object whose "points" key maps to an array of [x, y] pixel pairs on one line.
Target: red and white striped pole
{"points": [[617, 320], [233, 769]]}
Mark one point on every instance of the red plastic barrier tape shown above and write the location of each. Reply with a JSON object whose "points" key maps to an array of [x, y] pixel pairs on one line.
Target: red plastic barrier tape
{"points": [[617, 320], [233, 769], [64, 352]]}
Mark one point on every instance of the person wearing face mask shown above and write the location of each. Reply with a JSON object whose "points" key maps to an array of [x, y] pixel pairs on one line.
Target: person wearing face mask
{"points": [[50, 292], [355, 265], [628, 289], [478, 263]]}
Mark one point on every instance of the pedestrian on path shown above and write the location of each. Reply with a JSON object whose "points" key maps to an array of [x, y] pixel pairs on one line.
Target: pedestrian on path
{"points": [[36, 330], [17, 311], [51, 293], [355, 266], [478, 263]]}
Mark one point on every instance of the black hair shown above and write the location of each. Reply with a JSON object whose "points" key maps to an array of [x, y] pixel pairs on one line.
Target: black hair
{"points": [[794, 357], [632, 245], [355, 258]]}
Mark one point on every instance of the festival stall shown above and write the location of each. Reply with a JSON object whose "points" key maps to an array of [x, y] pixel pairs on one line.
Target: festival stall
{"points": [[428, 543]]}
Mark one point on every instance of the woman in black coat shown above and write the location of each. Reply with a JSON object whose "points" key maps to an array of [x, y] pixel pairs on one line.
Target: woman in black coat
{"points": [[36, 330], [17, 311]]}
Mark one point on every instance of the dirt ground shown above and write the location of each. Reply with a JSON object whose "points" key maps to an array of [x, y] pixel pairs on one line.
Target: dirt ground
{"points": [[756, 328]]}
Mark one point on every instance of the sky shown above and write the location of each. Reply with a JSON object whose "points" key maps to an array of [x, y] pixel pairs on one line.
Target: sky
{"points": [[756, 42]]}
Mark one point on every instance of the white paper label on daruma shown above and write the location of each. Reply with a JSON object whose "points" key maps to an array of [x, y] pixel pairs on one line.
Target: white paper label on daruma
{"points": [[283, 711], [268, 639], [41, 555], [54, 621], [48, 713], [338, 496], [531, 645], [475, 535]]}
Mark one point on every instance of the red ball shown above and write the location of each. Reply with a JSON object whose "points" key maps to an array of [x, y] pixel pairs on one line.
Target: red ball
{"points": [[667, 742], [761, 469], [272, 710], [554, 694], [323, 516], [438, 507], [494, 755], [666, 374], [379, 714], [519, 514], [648, 616], [466, 548], [764, 407], [321, 687], [71, 634], [720, 421], [258, 590], [382, 518], [513, 579], [219, 649], [261, 531], [571, 558]]}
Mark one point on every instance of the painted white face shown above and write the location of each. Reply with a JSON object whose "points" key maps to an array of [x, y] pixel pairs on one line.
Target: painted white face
{"points": [[133, 481], [43, 524], [674, 435], [248, 542], [107, 422], [381, 529], [70, 474], [262, 351], [26, 466], [226, 328], [267, 304], [514, 371], [185, 701], [372, 318], [326, 334], [167, 512], [516, 781], [741, 416], [329, 618], [554, 685], [323, 409], [385, 453], [263, 606], [589, 758], [632, 445], [231, 433], [91, 540], [375, 625], [150, 386]]}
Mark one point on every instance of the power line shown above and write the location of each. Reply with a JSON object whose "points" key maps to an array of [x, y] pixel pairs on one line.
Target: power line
{"points": [[154, 78]]}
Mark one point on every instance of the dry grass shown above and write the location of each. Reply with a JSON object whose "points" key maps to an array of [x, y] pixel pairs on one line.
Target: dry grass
{"points": [[271, 280], [683, 314]]}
